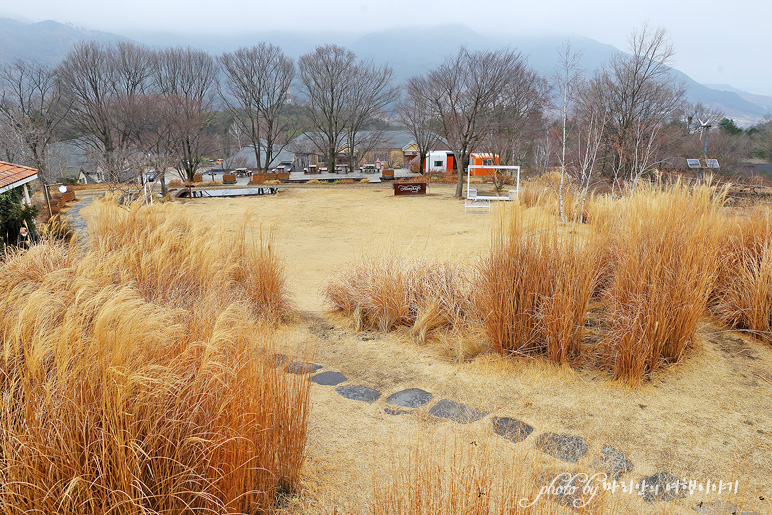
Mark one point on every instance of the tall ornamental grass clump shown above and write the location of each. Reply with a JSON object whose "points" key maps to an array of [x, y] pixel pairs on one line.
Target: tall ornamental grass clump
{"points": [[532, 290], [743, 294], [139, 379], [665, 262]]}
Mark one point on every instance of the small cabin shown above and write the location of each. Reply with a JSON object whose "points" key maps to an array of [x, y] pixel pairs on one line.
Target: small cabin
{"points": [[483, 159], [441, 161]]}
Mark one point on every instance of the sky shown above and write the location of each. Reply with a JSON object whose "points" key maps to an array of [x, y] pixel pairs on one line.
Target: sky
{"points": [[718, 42]]}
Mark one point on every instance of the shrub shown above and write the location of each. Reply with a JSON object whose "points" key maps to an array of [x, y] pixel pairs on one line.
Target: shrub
{"points": [[347, 181], [13, 216]]}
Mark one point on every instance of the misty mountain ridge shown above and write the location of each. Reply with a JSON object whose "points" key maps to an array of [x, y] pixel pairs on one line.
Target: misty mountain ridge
{"points": [[409, 51]]}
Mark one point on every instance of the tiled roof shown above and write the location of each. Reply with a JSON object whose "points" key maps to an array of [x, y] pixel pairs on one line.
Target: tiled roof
{"points": [[11, 174]]}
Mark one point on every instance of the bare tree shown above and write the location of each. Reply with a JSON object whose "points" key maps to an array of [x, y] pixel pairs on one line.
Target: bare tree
{"points": [[566, 79], [367, 97], [155, 140], [641, 96], [326, 77], [105, 84], [415, 113], [590, 121], [515, 118], [186, 79], [10, 145], [462, 92], [257, 83], [32, 106]]}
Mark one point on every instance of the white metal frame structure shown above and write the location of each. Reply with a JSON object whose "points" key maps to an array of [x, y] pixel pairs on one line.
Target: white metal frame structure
{"points": [[469, 190]]}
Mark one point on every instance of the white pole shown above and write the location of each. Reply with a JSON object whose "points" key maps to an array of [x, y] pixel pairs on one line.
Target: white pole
{"points": [[468, 181], [517, 189], [26, 195]]}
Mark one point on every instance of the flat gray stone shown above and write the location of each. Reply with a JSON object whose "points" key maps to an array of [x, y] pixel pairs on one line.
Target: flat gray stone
{"points": [[358, 393], [301, 367], [456, 412], [279, 360], [720, 508], [328, 378], [562, 447], [512, 429], [392, 411], [410, 398], [661, 487], [612, 462]]}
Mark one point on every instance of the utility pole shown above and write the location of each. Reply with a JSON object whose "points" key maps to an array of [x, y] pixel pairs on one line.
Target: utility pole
{"points": [[706, 129]]}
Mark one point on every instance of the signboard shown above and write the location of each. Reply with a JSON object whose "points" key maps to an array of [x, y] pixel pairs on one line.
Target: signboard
{"points": [[410, 188]]}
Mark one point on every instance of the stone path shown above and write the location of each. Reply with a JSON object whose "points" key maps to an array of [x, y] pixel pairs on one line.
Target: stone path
{"points": [[76, 221], [566, 448]]}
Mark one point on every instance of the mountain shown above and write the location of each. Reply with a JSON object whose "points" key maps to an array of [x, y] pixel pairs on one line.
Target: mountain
{"points": [[46, 41], [761, 100], [428, 47], [410, 51]]}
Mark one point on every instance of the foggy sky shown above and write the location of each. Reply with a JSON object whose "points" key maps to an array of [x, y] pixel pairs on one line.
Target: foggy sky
{"points": [[715, 41]]}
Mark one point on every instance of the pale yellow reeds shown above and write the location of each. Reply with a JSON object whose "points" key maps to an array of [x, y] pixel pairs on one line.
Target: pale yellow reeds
{"points": [[137, 375]]}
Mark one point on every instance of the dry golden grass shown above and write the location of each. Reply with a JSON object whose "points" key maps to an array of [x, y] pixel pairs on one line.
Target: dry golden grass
{"points": [[665, 262], [743, 293], [671, 423], [653, 259], [533, 289], [462, 477], [384, 293], [137, 376]]}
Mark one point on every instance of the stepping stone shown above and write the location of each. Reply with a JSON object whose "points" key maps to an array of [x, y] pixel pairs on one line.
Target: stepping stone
{"points": [[392, 411], [279, 360], [562, 447], [328, 378], [358, 393], [612, 462], [720, 508], [301, 367], [456, 412], [661, 487], [511, 429], [410, 398]]}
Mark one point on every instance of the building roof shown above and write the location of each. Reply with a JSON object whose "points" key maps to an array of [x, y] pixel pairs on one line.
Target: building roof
{"points": [[12, 176], [245, 158]]}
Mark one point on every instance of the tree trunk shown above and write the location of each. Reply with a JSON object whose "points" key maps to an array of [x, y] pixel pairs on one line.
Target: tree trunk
{"points": [[331, 159], [460, 159]]}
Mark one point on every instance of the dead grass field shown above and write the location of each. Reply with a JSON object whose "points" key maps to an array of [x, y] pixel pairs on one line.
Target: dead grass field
{"points": [[707, 418]]}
